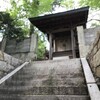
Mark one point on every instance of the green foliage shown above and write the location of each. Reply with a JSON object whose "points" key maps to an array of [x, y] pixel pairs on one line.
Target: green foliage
{"points": [[94, 4], [69, 4], [8, 27], [95, 24], [41, 46], [20, 11]]}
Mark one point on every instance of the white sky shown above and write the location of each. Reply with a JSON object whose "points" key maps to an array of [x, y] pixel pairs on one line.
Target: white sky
{"points": [[4, 4]]}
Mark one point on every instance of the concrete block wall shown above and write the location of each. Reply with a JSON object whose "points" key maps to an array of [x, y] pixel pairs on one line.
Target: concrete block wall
{"points": [[24, 50], [18, 49], [13, 46], [93, 56]]}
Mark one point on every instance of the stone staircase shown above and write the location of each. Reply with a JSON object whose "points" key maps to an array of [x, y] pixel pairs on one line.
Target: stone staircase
{"points": [[47, 80]]}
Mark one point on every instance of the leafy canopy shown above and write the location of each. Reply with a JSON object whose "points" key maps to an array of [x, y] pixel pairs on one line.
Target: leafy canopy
{"points": [[94, 4], [21, 10]]}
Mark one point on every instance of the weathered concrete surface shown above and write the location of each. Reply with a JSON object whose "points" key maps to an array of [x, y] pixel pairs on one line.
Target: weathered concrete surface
{"points": [[46, 97], [47, 80], [81, 41], [59, 58], [25, 56]]}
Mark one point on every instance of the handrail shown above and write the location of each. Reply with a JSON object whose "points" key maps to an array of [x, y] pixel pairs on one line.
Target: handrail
{"points": [[93, 89], [13, 72]]}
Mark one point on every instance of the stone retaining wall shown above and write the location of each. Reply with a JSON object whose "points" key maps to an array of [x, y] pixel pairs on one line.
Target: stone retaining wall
{"points": [[8, 63], [93, 56]]}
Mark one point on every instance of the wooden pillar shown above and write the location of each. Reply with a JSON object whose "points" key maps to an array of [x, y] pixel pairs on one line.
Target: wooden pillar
{"points": [[54, 45], [50, 49], [73, 44]]}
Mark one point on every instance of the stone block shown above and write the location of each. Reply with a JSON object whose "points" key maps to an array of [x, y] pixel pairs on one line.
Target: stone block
{"points": [[11, 42], [1, 55], [28, 40], [99, 44], [5, 67], [97, 58], [95, 50], [98, 71], [7, 58], [14, 61], [97, 38], [9, 50], [1, 73], [11, 60]]}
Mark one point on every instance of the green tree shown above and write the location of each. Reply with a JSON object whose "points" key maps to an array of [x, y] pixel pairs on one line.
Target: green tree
{"points": [[94, 4], [21, 10], [41, 46], [8, 28], [68, 4]]}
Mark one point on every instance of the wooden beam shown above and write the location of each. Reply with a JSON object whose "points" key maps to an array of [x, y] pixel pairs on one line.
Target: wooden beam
{"points": [[73, 44], [60, 30], [50, 49]]}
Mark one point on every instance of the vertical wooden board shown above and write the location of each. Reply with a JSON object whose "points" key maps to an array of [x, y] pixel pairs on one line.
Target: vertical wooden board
{"points": [[50, 50], [72, 41]]}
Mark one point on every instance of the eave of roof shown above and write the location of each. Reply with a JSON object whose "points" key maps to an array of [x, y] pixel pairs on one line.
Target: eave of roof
{"points": [[52, 22]]}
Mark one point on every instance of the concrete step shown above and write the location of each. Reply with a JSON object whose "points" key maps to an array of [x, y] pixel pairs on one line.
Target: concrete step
{"points": [[53, 68], [29, 90], [40, 76], [46, 82], [69, 61], [27, 73], [53, 71], [44, 97], [72, 63]]}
